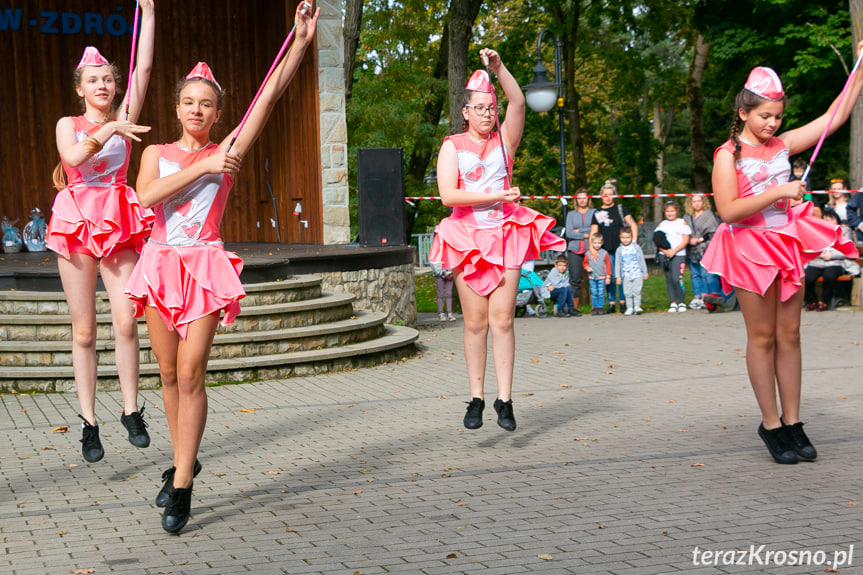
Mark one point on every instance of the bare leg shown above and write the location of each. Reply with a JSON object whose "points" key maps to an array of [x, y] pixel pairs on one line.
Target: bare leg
{"points": [[78, 275], [759, 314], [788, 356], [475, 310], [116, 270], [501, 314], [192, 356], [164, 343]]}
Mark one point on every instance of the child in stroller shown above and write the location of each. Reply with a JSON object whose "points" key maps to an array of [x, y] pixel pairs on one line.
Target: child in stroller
{"points": [[531, 293]]}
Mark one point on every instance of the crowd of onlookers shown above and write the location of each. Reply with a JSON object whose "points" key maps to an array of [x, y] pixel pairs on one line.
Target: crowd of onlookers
{"points": [[602, 244]]}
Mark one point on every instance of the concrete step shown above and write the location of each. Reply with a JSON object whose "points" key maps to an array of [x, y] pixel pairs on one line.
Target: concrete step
{"points": [[296, 288], [362, 326], [396, 343], [57, 327]]}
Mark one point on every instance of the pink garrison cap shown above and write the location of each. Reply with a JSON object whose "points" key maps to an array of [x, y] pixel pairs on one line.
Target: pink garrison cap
{"points": [[765, 82], [92, 57], [201, 70], [479, 82]]}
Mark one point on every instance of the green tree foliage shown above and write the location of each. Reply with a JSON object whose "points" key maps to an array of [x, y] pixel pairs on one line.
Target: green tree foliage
{"points": [[798, 39], [393, 81], [626, 58]]}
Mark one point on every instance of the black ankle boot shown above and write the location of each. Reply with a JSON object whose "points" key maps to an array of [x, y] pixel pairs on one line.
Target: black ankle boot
{"points": [[178, 510]]}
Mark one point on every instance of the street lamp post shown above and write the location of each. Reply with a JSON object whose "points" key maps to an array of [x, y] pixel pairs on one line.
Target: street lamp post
{"points": [[542, 94]]}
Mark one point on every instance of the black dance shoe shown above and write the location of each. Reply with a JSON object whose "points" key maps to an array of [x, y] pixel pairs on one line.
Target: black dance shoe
{"points": [[168, 484], [804, 448], [505, 417], [778, 444], [178, 510], [91, 445], [137, 428], [473, 417]]}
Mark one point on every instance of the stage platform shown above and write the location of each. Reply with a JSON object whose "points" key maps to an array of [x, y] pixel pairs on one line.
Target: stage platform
{"points": [[263, 262]]}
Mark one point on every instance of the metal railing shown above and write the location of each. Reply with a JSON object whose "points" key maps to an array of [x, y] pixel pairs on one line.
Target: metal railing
{"points": [[423, 243]]}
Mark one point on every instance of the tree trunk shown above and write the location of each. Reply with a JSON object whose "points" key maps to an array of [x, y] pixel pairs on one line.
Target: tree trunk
{"points": [[662, 122], [855, 155], [462, 15], [569, 24], [421, 154], [353, 22], [660, 162], [695, 97]]}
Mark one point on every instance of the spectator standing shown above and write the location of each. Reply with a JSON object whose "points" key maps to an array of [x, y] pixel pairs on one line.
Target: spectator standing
{"points": [[578, 224], [630, 270], [443, 291], [703, 223], [677, 231], [608, 220], [598, 266]]}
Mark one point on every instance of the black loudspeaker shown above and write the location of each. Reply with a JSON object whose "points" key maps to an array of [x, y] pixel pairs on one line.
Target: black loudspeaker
{"points": [[381, 198]]}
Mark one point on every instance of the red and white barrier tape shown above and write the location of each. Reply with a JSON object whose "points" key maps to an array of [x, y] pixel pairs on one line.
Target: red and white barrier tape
{"points": [[410, 198]]}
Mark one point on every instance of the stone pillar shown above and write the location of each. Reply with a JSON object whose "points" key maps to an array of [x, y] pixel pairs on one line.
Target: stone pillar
{"points": [[334, 130]]}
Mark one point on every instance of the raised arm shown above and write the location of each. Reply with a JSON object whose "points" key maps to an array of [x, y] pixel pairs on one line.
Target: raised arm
{"points": [[277, 84], [513, 124], [143, 63]]}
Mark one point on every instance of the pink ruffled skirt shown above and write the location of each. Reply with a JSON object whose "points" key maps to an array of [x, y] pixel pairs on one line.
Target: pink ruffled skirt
{"points": [[483, 254], [97, 220], [186, 283], [752, 258]]}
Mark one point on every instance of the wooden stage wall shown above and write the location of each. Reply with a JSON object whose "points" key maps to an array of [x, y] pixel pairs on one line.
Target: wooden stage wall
{"points": [[43, 41]]}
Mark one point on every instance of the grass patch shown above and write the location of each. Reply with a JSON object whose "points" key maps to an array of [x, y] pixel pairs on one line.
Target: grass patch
{"points": [[426, 293], [653, 295]]}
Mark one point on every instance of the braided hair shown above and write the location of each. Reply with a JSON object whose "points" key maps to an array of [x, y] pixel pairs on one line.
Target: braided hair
{"points": [[746, 101]]}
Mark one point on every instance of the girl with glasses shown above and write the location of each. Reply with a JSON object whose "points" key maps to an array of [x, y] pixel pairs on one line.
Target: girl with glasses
{"points": [[489, 234]]}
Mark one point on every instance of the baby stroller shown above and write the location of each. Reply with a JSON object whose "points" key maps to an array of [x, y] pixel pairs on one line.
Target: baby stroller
{"points": [[530, 292]]}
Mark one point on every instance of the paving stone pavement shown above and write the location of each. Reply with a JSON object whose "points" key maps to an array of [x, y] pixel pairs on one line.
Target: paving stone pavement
{"points": [[636, 448]]}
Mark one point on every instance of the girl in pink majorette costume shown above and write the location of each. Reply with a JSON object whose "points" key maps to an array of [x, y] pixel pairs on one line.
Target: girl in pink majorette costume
{"points": [[185, 279], [489, 234], [98, 224], [761, 249]]}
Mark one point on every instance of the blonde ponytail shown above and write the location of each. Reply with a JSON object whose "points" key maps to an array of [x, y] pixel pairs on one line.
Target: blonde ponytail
{"points": [[59, 176]]}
